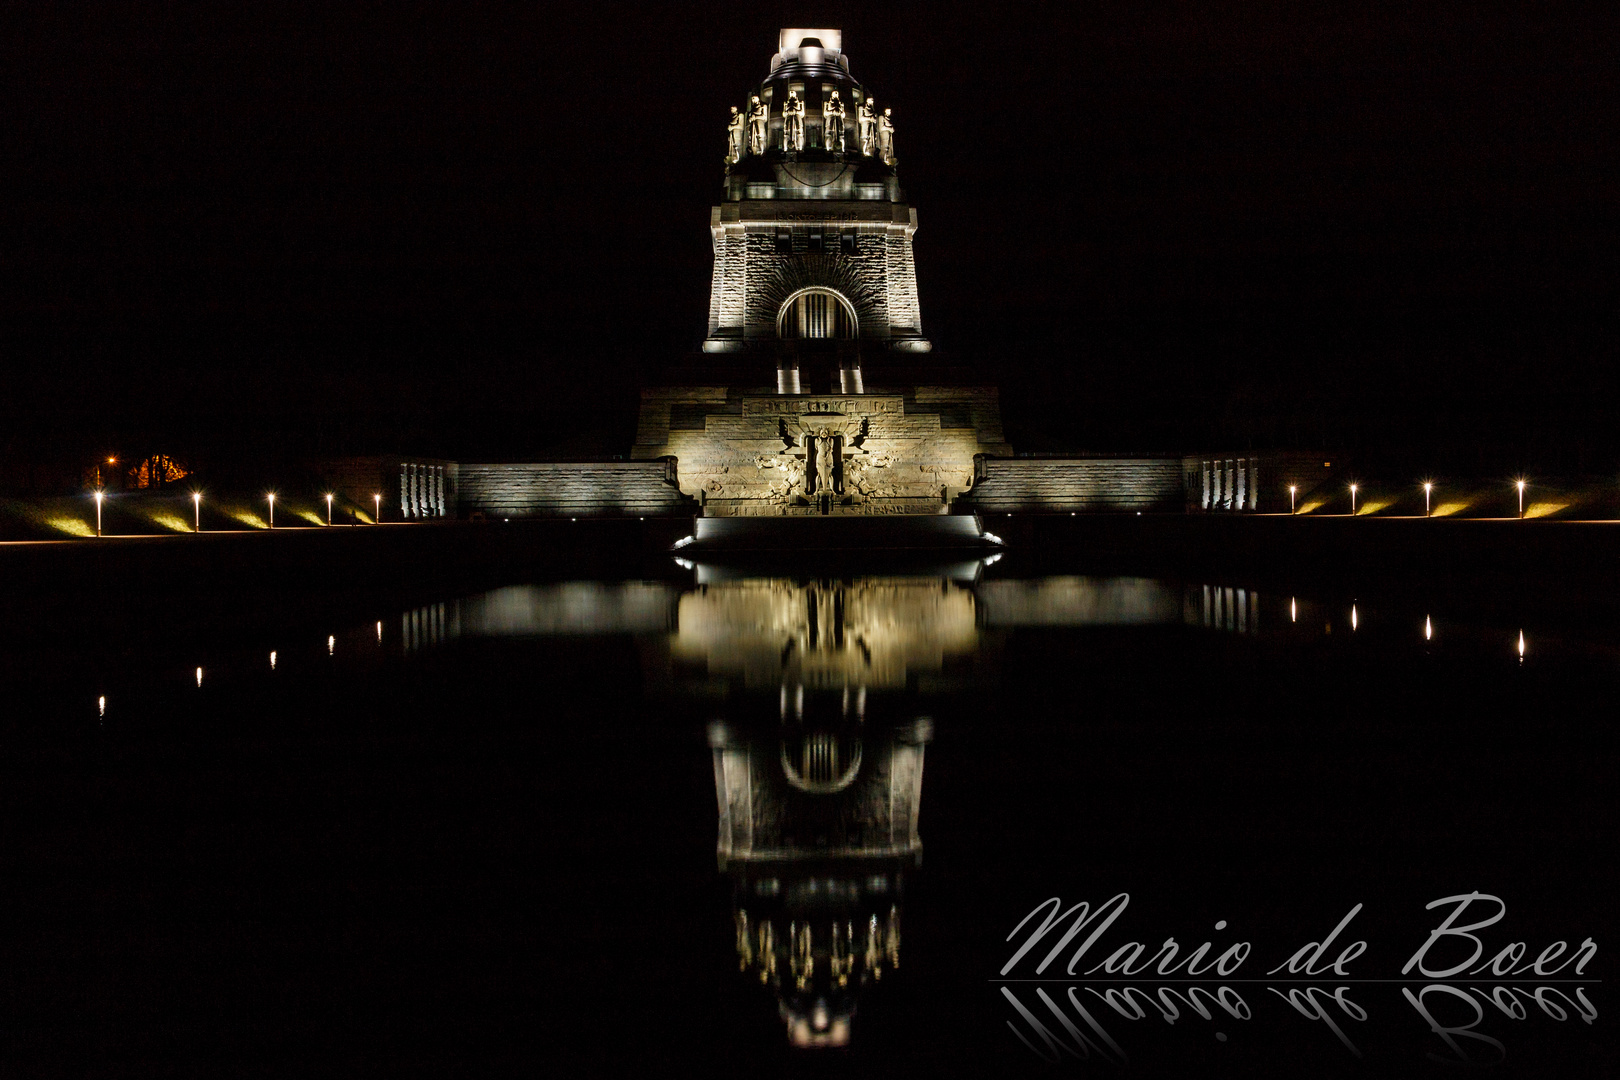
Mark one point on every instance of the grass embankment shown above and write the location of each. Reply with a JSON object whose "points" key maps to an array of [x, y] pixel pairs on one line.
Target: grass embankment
{"points": [[1574, 499], [143, 513]]}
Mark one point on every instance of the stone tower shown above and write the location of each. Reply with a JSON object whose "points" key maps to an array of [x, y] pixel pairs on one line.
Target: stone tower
{"points": [[812, 244], [815, 392]]}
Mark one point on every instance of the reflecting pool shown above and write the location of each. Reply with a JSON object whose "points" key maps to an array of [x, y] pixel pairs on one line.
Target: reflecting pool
{"points": [[1170, 826]]}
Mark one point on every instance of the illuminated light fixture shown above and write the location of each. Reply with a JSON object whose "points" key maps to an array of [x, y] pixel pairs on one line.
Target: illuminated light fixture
{"points": [[101, 705], [1293, 489], [994, 539], [270, 497], [199, 678], [1427, 487], [1520, 485], [196, 509], [1293, 610], [112, 461], [1355, 620], [684, 564], [1352, 500], [331, 643], [377, 499], [329, 508], [991, 561], [1428, 629], [1521, 646], [683, 541], [379, 631], [99, 496], [272, 659]]}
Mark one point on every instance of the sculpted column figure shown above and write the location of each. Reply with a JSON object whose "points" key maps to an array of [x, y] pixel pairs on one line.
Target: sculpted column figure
{"points": [[866, 126], [759, 119], [832, 124], [824, 464], [736, 130], [793, 123], [886, 137]]}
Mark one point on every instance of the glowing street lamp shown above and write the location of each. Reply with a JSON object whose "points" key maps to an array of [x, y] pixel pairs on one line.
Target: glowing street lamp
{"points": [[196, 507], [99, 496], [1352, 500], [1520, 485], [329, 508], [1521, 646], [270, 497], [1293, 489], [1428, 629], [377, 519]]}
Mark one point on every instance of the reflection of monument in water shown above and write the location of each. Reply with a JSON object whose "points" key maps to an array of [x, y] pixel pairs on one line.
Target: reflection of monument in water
{"points": [[818, 769], [818, 694]]}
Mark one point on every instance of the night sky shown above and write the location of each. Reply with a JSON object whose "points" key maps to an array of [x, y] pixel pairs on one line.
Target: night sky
{"points": [[473, 231]]}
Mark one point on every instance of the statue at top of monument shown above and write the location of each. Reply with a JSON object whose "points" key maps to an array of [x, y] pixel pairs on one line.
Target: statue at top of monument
{"points": [[832, 123], [866, 126], [759, 118], [736, 130], [886, 137], [792, 123]]}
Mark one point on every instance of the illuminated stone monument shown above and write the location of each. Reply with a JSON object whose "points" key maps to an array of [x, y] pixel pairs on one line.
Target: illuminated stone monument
{"points": [[818, 399]]}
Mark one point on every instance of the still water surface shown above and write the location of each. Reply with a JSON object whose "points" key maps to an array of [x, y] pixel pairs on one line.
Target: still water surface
{"points": [[686, 820]]}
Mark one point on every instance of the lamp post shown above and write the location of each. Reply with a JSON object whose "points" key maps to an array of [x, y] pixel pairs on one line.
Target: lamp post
{"points": [[1352, 500], [1427, 487], [377, 519], [99, 496], [1520, 485], [271, 499], [1293, 489], [196, 509], [328, 508]]}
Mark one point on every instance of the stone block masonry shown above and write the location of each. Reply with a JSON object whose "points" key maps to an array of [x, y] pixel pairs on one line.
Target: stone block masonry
{"points": [[572, 489], [1076, 485]]}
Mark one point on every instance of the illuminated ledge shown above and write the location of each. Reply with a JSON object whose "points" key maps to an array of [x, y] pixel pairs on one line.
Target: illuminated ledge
{"points": [[721, 345]]}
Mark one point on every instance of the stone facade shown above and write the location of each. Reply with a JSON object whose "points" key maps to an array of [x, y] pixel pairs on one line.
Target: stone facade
{"points": [[765, 251], [1077, 485], [572, 489], [741, 453]]}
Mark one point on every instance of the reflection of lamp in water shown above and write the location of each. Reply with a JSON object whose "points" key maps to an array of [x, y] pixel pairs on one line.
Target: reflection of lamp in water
{"points": [[1427, 487], [1293, 489], [331, 643], [1293, 610], [199, 677], [1352, 500], [1520, 485], [101, 705], [1521, 646], [379, 631], [1354, 621], [99, 497], [1428, 629], [272, 659]]}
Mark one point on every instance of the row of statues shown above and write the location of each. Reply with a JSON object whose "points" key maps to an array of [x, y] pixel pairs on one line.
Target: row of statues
{"points": [[748, 134]]}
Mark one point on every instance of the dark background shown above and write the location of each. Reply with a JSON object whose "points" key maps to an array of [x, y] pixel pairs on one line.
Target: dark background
{"points": [[473, 230]]}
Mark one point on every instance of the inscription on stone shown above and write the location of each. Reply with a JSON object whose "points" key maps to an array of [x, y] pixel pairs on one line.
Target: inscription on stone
{"points": [[822, 406]]}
